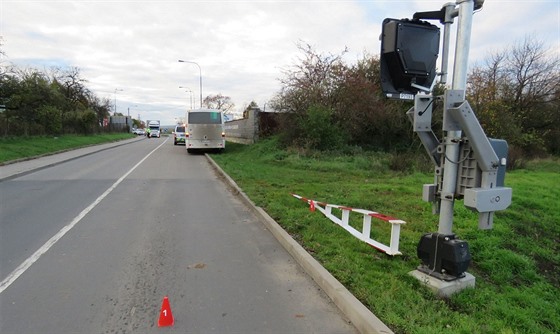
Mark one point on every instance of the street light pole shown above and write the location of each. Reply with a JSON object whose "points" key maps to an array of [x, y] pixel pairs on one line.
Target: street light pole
{"points": [[116, 90], [187, 89], [129, 109], [200, 73]]}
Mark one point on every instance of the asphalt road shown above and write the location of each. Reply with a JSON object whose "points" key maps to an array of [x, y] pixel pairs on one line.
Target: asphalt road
{"points": [[169, 227]]}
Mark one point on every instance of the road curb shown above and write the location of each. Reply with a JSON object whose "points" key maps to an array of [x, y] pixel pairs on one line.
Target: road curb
{"points": [[360, 316]]}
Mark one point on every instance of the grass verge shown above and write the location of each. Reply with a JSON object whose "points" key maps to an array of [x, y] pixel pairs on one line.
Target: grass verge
{"points": [[16, 148], [516, 264]]}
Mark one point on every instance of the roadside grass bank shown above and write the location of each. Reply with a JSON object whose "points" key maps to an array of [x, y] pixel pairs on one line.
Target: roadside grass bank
{"points": [[516, 264], [15, 148]]}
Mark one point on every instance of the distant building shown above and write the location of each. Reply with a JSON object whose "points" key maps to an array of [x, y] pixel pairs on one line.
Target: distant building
{"points": [[121, 123]]}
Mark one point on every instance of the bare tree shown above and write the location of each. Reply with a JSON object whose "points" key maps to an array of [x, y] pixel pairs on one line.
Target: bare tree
{"points": [[516, 95], [219, 102], [485, 82], [2, 55], [534, 74], [313, 80], [73, 87]]}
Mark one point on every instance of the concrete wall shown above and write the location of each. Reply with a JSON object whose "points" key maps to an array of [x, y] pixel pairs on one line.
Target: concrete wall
{"points": [[120, 122], [244, 131]]}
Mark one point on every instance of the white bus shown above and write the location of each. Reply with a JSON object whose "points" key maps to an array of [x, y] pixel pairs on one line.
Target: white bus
{"points": [[205, 130]]}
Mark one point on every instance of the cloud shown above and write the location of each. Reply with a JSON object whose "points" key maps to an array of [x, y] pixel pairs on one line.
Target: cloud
{"points": [[240, 45]]}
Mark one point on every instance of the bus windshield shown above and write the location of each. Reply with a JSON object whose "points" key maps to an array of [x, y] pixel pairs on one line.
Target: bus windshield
{"points": [[213, 117]]}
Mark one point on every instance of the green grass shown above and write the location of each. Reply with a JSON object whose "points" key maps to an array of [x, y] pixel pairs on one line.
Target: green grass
{"points": [[516, 264], [15, 148]]}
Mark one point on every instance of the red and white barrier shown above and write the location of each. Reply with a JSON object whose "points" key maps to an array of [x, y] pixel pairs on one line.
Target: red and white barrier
{"points": [[364, 235]]}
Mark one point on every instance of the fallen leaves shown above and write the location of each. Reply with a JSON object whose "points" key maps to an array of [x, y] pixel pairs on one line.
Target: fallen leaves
{"points": [[199, 265]]}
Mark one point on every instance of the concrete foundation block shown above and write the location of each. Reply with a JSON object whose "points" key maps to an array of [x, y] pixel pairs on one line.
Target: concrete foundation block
{"points": [[444, 288]]}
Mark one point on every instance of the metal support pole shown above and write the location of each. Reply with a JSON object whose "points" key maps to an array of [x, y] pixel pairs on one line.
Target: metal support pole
{"points": [[450, 13], [453, 136], [116, 90], [466, 8]]}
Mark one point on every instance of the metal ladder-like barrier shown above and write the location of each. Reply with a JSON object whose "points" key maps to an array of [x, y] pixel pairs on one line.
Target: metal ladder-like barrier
{"points": [[365, 234]]}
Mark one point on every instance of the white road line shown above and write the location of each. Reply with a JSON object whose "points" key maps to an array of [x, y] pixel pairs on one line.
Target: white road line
{"points": [[43, 249]]}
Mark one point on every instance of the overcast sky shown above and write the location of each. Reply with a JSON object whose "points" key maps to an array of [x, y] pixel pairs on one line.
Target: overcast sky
{"points": [[241, 46]]}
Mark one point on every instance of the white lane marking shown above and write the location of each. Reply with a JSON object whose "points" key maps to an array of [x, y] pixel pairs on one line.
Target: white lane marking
{"points": [[43, 249]]}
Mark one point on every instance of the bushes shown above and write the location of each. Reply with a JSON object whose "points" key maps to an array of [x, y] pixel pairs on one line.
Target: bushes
{"points": [[38, 103], [515, 97], [314, 130], [332, 105], [51, 119]]}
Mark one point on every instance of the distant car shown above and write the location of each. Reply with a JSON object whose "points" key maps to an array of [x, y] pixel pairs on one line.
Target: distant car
{"points": [[139, 132], [179, 135]]}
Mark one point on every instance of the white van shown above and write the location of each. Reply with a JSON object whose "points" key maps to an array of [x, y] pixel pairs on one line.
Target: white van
{"points": [[205, 130]]}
